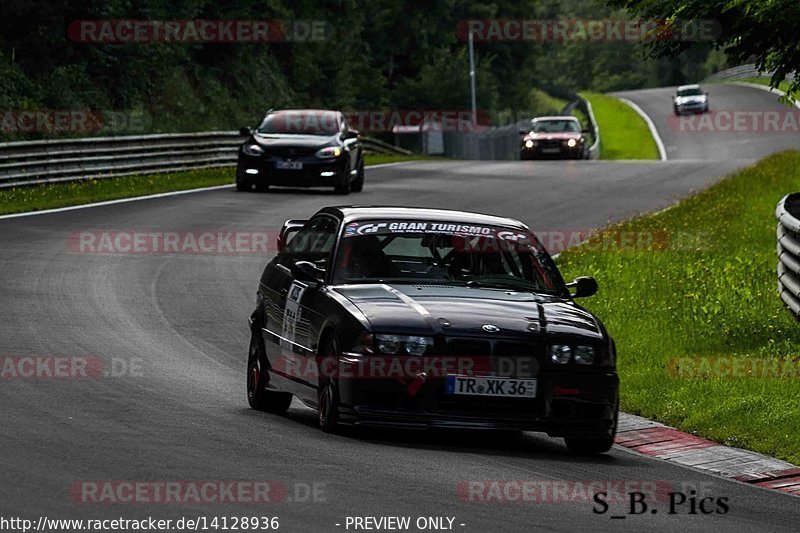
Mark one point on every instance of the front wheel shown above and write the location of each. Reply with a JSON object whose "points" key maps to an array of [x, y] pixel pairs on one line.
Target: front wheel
{"points": [[258, 396], [328, 394], [595, 445], [589, 446], [344, 187], [358, 184]]}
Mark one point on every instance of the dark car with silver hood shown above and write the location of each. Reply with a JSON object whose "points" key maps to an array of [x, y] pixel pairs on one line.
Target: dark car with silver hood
{"points": [[430, 318], [301, 148]]}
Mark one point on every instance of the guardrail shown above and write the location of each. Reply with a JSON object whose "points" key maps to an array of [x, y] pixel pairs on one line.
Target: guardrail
{"points": [[37, 162], [503, 142], [594, 149], [787, 213], [742, 71]]}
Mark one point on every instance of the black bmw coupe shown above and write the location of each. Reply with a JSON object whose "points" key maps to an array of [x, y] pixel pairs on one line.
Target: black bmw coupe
{"points": [[301, 148], [416, 317]]}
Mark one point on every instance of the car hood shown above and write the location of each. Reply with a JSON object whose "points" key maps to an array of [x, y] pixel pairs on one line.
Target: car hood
{"points": [[289, 141], [557, 135], [424, 309]]}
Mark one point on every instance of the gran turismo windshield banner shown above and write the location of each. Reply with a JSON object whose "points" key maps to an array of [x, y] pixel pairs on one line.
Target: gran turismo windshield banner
{"points": [[390, 227]]}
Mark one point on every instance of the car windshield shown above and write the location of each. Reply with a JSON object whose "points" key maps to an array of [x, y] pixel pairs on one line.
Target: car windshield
{"points": [[556, 126], [300, 123], [690, 92], [433, 252]]}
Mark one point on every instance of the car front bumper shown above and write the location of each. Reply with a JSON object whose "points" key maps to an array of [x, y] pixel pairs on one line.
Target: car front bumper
{"points": [[692, 108], [262, 170], [552, 152], [566, 405]]}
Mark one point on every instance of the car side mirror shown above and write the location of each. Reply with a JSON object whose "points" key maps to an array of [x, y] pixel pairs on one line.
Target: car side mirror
{"points": [[524, 132], [307, 271], [245, 132], [584, 286], [289, 227], [586, 130], [351, 134]]}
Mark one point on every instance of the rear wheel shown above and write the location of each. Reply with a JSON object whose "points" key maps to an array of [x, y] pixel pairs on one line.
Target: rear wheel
{"points": [[328, 394], [258, 396]]}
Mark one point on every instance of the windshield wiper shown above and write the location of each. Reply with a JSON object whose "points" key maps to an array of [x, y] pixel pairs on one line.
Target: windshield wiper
{"points": [[482, 284]]}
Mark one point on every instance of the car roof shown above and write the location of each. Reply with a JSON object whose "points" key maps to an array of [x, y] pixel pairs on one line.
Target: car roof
{"points": [[302, 112], [556, 117], [693, 86], [353, 213]]}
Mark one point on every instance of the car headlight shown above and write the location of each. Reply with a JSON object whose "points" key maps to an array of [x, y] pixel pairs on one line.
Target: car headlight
{"points": [[529, 144], [571, 143], [401, 344], [329, 152], [584, 355], [561, 354], [253, 149]]}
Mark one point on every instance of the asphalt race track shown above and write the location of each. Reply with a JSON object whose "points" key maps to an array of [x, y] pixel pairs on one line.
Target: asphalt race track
{"points": [[721, 137], [180, 319]]}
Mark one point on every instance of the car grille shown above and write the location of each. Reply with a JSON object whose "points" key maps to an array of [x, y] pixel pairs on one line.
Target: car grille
{"points": [[550, 143], [498, 357], [290, 152]]}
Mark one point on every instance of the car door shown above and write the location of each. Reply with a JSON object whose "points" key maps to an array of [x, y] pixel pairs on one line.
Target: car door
{"points": [[290, 326]]}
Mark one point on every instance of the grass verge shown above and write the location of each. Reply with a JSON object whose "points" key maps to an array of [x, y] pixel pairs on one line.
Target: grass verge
{"points": [[37, 198], [706, 288], [623, 133]]}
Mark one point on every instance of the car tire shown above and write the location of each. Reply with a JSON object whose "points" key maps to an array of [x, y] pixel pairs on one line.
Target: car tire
{"points": [[243, 187], [258, 396], [344, 187], [358, 184], [594, 445], [589, 446], [328, 394]]}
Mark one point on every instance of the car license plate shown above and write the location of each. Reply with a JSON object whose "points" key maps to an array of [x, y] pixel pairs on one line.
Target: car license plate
{"points": [[491, 386], [289, 165], [550, 150]]}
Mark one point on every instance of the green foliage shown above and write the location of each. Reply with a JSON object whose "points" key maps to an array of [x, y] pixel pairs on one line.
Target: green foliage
{"points": [[707, 288], [745, 29], [381, 54]]}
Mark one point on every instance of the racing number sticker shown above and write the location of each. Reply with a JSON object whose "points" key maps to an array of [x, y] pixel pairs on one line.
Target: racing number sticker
{"points": [[292, 312]]}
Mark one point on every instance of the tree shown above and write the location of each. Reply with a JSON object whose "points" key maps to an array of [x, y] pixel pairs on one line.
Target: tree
{"points": [[765, 30]]}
